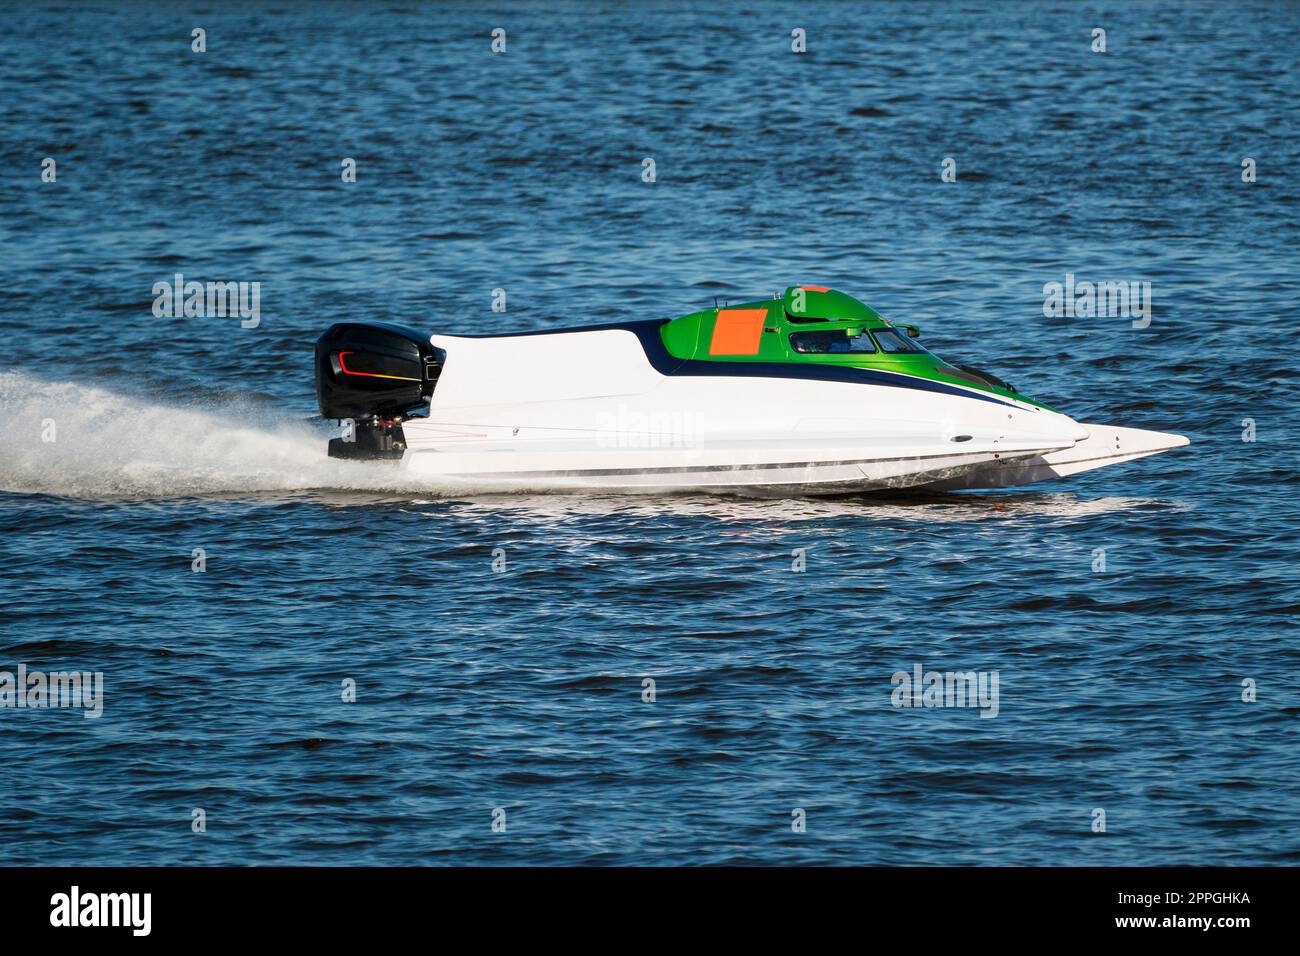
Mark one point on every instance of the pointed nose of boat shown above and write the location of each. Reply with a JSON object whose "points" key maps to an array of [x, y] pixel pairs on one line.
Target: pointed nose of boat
{"points": [[1115, 440], [1130, 438]]}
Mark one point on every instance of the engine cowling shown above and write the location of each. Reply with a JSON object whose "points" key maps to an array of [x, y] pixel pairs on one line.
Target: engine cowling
{"points": [[374, 370]]}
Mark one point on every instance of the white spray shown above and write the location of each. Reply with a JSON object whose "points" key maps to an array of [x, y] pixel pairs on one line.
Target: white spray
{"points": [[65, 439]]}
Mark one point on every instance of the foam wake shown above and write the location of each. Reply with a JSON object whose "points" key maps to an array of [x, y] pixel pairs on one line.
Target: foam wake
{"points": [[65, 439]]}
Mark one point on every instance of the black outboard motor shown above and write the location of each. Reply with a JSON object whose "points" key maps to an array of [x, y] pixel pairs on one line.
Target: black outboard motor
{"points": [[373, 375]]}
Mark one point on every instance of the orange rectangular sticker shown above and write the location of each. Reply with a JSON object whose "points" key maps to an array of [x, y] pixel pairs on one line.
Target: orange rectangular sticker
{"points": [[737, 332]]}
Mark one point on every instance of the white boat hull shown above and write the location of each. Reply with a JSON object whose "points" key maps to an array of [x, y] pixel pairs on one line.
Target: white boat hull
{"points": [[610, 409], [792, 468], [588, 410]]}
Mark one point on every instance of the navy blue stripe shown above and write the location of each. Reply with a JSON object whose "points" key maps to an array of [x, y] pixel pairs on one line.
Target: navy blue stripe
{"points": [[665, 363]]}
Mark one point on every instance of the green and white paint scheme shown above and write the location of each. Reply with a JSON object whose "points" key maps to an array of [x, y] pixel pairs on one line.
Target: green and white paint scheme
{"points": [[810, 392], [807, 309]]}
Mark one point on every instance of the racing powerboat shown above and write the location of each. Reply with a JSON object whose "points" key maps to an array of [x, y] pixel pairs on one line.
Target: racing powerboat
{"points": [[809, 392]]}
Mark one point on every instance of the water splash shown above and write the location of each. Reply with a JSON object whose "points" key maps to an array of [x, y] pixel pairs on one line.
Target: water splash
{"points": [[66, 439]]}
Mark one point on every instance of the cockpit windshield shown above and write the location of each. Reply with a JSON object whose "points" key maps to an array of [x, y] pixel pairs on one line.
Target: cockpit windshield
{"points": [[837, 342], [894, 342]]}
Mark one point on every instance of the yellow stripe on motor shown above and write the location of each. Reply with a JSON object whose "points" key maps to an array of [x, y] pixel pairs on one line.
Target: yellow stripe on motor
{"points": [[400, 378]]}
